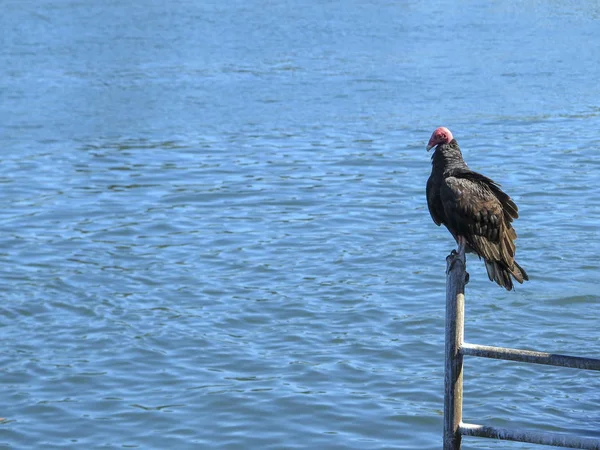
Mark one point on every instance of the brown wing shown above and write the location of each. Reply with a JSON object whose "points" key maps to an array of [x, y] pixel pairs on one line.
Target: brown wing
{"points": [[510, 208], [474, 209]]}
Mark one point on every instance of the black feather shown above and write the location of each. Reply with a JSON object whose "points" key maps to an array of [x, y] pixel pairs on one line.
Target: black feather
{"points": [[473, 206]]}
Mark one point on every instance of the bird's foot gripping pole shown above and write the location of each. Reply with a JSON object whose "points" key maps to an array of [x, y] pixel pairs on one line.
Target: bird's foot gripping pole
{"points": [[460, 256]]}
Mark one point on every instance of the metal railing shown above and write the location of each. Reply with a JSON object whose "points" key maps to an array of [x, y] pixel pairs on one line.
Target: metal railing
{"points": [[456, 349]]}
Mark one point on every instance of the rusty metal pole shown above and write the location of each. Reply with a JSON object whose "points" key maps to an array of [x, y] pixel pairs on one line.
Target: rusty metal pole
{"points": [[453, 379]]}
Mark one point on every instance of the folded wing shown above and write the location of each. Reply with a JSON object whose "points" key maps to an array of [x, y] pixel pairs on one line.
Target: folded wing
{"points": [[476, 208]]}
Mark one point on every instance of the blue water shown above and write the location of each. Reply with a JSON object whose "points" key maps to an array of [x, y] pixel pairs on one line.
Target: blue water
{"points": [[213, 227]]}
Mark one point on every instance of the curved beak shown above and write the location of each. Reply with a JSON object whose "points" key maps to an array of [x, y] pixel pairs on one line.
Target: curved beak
{"points": [[430, 146]]}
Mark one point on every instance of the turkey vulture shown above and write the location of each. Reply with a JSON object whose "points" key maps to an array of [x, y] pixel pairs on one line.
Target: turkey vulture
{"points": [[475, 210]]}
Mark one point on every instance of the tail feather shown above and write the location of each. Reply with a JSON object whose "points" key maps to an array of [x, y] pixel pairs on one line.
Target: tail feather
{"points": [[518, 270], [498, 271]]}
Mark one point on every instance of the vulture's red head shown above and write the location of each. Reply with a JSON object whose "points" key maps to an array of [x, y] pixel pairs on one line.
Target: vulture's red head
{"points": [[441, 135]]}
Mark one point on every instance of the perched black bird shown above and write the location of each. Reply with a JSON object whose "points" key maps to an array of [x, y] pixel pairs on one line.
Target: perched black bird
{"points": [[474, 209]]}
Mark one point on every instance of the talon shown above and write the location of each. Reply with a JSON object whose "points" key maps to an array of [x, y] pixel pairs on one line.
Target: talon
{"points": [[456, 256], [452, 258], [450, 261]]}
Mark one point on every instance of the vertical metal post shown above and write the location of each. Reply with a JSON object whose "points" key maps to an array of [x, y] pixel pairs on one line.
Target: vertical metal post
{"points": [[453, 379]]}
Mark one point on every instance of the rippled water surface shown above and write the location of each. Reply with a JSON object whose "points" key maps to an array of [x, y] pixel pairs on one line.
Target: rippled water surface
{"points": [[214, 231]]}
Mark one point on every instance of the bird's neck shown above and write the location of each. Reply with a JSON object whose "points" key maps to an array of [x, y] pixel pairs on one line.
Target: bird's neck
{"points": [[447, 157]]}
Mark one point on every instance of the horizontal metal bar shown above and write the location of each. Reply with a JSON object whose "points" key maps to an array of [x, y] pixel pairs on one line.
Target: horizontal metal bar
{"points": [[531, 437], [528, 356]]}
